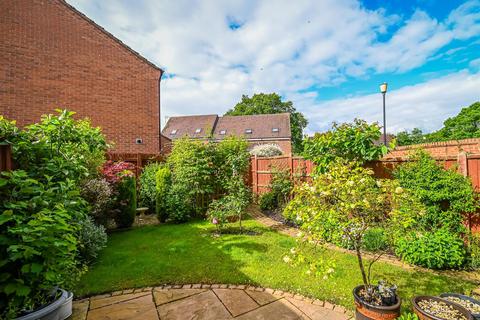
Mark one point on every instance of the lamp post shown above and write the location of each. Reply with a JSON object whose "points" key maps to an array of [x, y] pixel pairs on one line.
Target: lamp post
{"points": [[383, 90]]}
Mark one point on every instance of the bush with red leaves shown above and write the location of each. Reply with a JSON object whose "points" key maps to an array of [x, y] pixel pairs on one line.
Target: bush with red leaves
{"points": [[115, 171]]}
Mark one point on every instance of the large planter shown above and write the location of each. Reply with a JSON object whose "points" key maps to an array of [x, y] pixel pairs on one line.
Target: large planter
{"points": [[60, 309], [424, 315], [476, 315], [365, 311]]}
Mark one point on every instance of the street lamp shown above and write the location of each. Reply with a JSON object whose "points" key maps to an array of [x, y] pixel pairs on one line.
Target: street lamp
{"points": [[383, 90]]}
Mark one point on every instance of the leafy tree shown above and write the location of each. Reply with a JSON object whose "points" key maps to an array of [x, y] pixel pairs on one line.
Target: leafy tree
{"points": [[463, 126], [262, 103], [356, 141], [416, 136]]}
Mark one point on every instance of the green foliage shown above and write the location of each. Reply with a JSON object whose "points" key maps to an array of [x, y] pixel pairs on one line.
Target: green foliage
{"points": [[408, 316], [58, 147], [127, 202], [375, 239], [281, 186], [147, 190], [416, 136], [178, 210], [267, 201], [163, 183], [440, 249], [345, 203], [350, 141], [8, 130], [272, 103], [473, 256], [41, 209], [92, 239], [464, 125], [445, 193], [39, 224], [192, 164]]}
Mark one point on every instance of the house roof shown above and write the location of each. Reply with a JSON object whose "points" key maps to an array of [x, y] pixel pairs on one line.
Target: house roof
{"points": [[135, 53], [262, 126], [251, 127], [178, 127]]}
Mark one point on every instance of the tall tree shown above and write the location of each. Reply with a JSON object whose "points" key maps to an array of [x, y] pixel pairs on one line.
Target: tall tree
{"points": [[464, 125], [406, 138], [262, 103]]}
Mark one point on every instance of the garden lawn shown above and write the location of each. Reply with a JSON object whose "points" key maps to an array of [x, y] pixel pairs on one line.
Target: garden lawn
{"points": [[189, 253]]}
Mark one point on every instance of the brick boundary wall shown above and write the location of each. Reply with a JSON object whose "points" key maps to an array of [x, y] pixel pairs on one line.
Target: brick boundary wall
{"points": [[439, 149]]}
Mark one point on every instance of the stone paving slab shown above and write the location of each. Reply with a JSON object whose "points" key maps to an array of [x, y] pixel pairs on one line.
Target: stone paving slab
{"points": [[217, 302]]}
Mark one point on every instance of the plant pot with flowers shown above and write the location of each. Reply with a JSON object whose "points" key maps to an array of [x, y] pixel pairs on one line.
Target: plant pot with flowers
{"points": [[352, 201]]}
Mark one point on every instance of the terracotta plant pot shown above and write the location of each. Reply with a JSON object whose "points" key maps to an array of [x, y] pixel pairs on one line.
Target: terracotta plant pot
{"points": [[423, 315], [365, 311]]}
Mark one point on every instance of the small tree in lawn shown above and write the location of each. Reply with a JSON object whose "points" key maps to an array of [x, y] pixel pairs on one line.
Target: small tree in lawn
{"points": [[351, 200]]}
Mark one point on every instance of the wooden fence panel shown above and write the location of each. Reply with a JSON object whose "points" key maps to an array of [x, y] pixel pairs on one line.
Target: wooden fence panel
{"points": [[6, 162]]}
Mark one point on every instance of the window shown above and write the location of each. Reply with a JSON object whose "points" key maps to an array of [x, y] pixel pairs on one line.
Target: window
{"points": [[198, 130], [275, 129], [174, 131], [223, 132], [248, 131]]}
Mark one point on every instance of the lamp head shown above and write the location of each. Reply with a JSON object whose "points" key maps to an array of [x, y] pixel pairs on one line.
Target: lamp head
{"points": [[383, 87]]}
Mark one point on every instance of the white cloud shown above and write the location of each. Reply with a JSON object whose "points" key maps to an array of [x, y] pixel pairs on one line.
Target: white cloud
{"points": [[425, 105], [282, 46]]}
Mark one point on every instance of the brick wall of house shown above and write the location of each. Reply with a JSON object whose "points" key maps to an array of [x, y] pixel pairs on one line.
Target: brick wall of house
{"points": [[439, 149], [53, 57]]}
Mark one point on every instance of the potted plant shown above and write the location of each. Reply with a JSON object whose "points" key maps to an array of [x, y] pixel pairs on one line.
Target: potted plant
{"points": [[60, 307], [435, 308], [352, 201]]}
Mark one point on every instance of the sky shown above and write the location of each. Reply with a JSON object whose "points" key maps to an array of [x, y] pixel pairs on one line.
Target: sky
{"points": [[326, 56]]}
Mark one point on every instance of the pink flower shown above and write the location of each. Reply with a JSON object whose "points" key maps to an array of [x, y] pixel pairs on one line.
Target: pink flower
{"points": [[214, 221]]}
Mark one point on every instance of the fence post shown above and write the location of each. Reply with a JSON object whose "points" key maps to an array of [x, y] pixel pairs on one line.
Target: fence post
{"points": [[139, 164], [462, 163]]}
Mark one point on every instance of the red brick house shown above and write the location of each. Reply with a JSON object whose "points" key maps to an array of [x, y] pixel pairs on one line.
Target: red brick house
{"points": [[52, 56], [256, 129]]}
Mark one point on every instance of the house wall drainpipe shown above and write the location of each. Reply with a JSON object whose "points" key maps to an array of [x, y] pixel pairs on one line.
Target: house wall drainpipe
{"points": [[159, 116]]}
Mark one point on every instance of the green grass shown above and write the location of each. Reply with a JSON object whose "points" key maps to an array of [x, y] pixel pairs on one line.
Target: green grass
{"points": [[188, 253]]}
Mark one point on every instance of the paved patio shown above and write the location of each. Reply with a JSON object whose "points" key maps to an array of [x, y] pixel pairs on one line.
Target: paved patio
{"points": [[204, 302]]}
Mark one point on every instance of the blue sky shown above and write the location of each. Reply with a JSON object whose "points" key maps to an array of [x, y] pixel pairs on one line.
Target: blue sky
{"points": [[326, 56]]}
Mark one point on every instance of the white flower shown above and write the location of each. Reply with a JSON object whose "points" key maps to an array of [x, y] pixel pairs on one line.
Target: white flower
{"points": [[292, 251], [309, 272], [286, 259], [330, 270], [300, 234], [398, 190]]}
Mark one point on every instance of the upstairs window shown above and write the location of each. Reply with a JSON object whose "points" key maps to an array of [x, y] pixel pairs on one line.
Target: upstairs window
{"points": [[275, 129], [248, 131], [223, 132], [198, 130], [174, 131]]}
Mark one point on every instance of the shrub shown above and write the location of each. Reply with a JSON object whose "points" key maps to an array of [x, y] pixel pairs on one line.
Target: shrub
{"points": [[60, 148], [351, 201], [229, 207], [281, 186], [147, 190], [445, 193], [266, 150], [98, 193], [38, 250], [127, 201], [178, 210], [192, 164], [349, 141], [268, 201], [473, 254], [92, 239], [439, 249], [113, 171], [375, 240], [163, 184]]}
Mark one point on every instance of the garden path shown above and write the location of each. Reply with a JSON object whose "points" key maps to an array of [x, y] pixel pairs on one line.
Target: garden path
{"points": [[205, 302]]}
